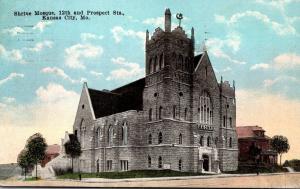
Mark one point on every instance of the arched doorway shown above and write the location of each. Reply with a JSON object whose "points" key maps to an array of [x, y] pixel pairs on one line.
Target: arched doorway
{"points": [[205, 162]]}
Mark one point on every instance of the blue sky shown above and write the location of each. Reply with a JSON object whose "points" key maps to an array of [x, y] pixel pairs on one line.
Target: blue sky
{"points": [[255, 43]]}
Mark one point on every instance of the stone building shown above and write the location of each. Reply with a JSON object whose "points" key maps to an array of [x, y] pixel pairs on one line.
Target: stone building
{"points": [[177, 117]]}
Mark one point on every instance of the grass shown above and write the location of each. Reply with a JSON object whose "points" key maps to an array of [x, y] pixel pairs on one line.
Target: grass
{"points": [[129, 174], [252, 169], [32, 179]]}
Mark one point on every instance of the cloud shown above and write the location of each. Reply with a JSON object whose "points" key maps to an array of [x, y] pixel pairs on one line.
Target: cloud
{"points": [[271, 82], [41, 25], [216, 46], [277, 114], [97, 74], [14, 31], [8, 99], [127, 71], [90, 36], [157, 22], [119, 32], [261, 66], [41, 45], [280, 29], [11, 77], [59, 72], [12, 55], [51, 113], [287, 60], [75, 53]]}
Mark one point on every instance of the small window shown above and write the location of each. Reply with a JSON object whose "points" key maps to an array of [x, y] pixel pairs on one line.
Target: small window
{"points": [[180, 138], [180, 94], [159, 162], [82, 106], [124, 165], [150, 114], [149, 161], [109, 165], [208, 141], [206, 72], [160, 112], [180, 165], [230, 142], [174, 112], [224, 121], [201, 141], [150, 139], [160, 138], [230, 121], [155, 94], [185, 113], [75, 132]]}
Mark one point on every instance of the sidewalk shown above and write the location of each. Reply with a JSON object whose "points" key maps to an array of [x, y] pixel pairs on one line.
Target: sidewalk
{"points": [[106, 180]]}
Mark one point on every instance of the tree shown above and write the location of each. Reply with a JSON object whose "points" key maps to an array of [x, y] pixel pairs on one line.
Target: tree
{"points": [[73, 148], [25, 161], [36, 146], [280, 144]]}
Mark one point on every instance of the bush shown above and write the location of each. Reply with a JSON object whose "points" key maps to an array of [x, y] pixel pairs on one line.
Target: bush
{"points": [[294, 163], [129, 174], [59, 171]]}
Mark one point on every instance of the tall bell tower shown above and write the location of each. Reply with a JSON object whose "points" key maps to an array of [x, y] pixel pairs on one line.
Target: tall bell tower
{"points": [[169, 66]]}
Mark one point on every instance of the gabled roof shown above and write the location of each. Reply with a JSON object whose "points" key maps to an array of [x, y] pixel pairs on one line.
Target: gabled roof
{"points": [[53, 149], [248, 131], [127, 97]]}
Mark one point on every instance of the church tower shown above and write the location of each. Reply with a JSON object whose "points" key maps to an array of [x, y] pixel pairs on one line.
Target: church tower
{"points": [[169, 65]]}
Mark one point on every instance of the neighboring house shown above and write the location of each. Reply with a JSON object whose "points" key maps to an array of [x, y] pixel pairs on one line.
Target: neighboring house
{"points": [[177, 117], [255, 135], [52, 152]]}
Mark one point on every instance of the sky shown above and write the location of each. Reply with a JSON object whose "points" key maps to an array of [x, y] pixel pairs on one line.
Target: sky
{"points": [[43, 63]]}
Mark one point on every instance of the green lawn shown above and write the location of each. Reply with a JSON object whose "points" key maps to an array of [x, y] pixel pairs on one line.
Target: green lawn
{"points": [[252, 169], [129, 174]]}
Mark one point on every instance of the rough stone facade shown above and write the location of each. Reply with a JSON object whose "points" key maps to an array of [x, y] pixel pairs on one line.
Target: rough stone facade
{"points": [[184, 119]]}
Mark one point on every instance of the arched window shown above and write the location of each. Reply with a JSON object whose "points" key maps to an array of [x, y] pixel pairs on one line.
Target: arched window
{"points": [[156, 64], [180, 138], [124, 134], [180, 165], [224, 121], [161, 61], [185, 113], [230, 122], [208, 141], [149, 161], [97, 137], [160, 112], [159, 162], [149, 139], [230, 142], [174, 112], [150, 114], [206, 109], [110, 135], [160, 138], [201, 141]]}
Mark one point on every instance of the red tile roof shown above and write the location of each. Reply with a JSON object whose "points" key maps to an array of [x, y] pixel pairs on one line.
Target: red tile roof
{"points": [[53, 149], [248, 131]]}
